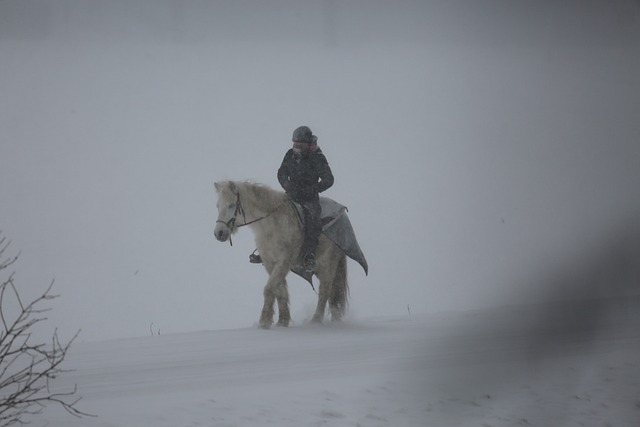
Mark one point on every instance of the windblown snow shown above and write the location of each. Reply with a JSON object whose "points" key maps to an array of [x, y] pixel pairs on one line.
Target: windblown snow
{"points": [[562, 365]]}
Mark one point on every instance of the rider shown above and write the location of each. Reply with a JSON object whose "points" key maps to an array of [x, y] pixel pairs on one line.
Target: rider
{"points": [[304, 173]]}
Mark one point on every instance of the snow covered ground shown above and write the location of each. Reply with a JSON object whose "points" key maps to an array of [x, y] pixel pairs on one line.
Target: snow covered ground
{"points": [[572, 364]]}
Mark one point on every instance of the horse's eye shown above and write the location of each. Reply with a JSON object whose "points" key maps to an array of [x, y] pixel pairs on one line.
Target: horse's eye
{"points": [[232, 205]]}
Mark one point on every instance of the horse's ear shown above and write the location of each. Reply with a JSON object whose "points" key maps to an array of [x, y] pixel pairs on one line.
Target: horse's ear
{"points": [[232, 186], [217, 186]]}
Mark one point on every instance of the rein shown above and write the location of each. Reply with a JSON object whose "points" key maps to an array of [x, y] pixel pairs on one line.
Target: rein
{"points": [[240, 210]]}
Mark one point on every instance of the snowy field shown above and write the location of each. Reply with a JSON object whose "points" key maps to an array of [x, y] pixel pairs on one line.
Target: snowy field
{"points": [[561, 365]]}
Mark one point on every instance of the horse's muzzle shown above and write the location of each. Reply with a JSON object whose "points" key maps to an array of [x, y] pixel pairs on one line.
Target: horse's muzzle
{"points": [[221, 233]]}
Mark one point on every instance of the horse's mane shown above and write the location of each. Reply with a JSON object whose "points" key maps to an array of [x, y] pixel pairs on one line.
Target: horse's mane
{"points": [[259, 194]]}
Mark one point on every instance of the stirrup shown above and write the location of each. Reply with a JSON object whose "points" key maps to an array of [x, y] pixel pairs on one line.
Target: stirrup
{"points": [[255, 258]]}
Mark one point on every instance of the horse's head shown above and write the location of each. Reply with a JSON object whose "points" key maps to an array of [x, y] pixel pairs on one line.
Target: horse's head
{"points": [[228, 210]]}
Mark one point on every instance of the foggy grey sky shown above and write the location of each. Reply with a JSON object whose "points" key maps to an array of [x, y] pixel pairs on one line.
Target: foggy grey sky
{"points": [[474, 145]]}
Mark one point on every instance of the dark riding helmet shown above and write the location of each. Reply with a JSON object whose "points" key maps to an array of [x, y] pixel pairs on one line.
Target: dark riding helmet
{"points": [[304, 134]]}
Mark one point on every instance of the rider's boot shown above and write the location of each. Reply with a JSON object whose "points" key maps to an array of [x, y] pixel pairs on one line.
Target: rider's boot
{"points": [[309, 262]]}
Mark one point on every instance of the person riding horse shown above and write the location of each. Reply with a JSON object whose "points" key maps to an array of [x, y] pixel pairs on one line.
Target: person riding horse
{"points": [[304, 174]]}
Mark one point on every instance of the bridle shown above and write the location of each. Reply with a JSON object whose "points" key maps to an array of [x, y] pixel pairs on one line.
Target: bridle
{"points": [[239, 211]]}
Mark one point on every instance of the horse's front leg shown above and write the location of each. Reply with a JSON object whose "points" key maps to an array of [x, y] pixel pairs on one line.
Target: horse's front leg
{"points": [[282, 296], [275, 288]]}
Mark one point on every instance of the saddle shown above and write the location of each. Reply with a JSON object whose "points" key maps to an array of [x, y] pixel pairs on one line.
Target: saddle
{"points": [[331, 211]]}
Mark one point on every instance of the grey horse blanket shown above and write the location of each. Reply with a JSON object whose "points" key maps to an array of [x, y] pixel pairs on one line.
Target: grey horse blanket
{"points": [[337, 227]]}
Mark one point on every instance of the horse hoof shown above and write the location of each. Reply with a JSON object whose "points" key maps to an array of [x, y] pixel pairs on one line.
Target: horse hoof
{"points": [[264, 326], [283, 323]]}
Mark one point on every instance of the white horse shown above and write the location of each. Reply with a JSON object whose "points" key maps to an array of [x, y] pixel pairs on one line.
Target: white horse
{"points": [[278, 235]]}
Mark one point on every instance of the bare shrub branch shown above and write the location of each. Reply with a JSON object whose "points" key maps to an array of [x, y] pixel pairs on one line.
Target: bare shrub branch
{"points": [[26, 369]]}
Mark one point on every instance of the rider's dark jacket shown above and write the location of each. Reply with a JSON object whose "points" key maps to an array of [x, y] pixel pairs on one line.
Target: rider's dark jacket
{"points": [[304, 176]]}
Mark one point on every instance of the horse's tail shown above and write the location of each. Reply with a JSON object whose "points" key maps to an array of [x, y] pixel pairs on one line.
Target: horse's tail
{"points": [[339, 296]]}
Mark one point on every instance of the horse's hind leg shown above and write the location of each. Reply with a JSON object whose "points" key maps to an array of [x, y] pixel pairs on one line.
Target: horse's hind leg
{"points": [[339, 291], [272, 290], [332, 272], [323, 297]]}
